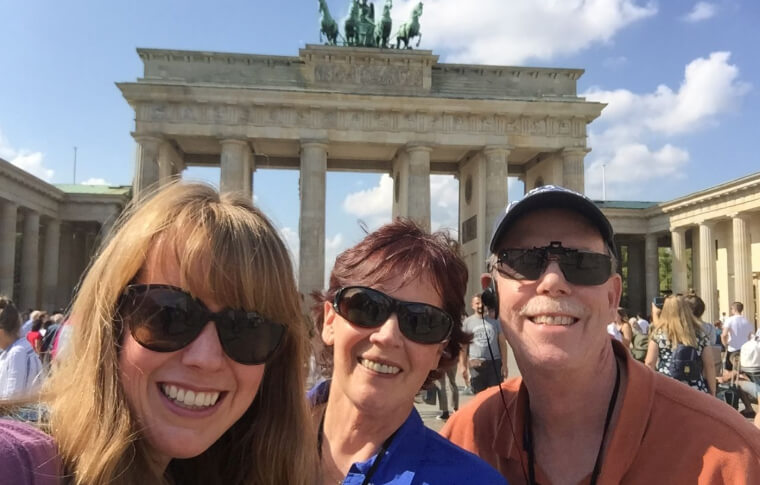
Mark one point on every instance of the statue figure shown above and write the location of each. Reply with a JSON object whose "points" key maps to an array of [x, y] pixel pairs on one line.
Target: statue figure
{"points": [[366, 29], [351, 25], [410, 29], [329, 25], [383, 27]]}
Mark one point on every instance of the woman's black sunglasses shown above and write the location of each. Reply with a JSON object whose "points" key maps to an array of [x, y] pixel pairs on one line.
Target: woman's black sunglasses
{"points": [[165, 318], [368, 308], [582, 268]]}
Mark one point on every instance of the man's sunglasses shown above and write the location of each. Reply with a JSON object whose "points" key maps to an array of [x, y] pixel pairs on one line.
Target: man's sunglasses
{"points": [[368, 308], [579, 267], [165, 318]]}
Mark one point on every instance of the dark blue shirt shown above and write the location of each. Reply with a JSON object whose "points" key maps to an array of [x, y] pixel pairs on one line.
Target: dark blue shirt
{"points": [[417, 456]]}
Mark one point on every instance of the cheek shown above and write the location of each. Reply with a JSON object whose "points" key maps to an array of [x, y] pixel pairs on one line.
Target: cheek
{"points": [[248, 379], [425, 357], [136, 366]]}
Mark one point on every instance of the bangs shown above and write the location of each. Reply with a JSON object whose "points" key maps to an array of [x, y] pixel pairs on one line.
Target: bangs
{"points": [[226, 253]]}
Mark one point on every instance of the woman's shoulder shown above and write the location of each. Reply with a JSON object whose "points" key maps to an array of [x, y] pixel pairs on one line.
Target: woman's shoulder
{"points": [[456, 464], [27, 455]]}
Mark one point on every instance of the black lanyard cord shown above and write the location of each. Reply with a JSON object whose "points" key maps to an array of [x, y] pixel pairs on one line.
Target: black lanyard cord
{"points": [[378, 457], [528, 434]]}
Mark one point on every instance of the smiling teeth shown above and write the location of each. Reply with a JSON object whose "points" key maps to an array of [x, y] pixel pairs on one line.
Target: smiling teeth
{"points": [[380, 368], [188, 398], [553, 320]]}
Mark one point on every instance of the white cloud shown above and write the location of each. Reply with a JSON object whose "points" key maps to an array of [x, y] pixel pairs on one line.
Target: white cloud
{"points": [[333, 247], [444, 201], [701, 11], [292, 242], [631, 137], [96, 181], [28, 160], [373, 205], [513, 31]]}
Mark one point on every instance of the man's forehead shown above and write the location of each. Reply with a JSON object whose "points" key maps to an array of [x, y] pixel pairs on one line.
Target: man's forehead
{"points": [[542, 226]]}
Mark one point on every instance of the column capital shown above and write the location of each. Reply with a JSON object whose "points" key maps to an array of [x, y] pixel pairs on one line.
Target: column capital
{"points": [[710, 223], [310, 142], [744, 215], [233, 141], [418, 147], [679, 229], [578, 151], [497, 149], [147, 137]]}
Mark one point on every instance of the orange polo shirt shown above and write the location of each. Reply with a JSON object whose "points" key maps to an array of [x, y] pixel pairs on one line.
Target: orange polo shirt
{"points": [[666, 432]]}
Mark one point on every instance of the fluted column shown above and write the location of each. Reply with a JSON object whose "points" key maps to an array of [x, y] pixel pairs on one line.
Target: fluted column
{"points": [[311, 226], [743, 264], [707, 278], [50, 264], [30, 252], [146, 164], [497, 186], [678, 240], [8, 220], [168, 163], [236, 167], [572, 169], [66, 276], [651, 266], [419, 184]]}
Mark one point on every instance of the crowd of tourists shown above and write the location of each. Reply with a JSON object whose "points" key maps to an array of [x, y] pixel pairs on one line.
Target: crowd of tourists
{"points": [[183, 359]]}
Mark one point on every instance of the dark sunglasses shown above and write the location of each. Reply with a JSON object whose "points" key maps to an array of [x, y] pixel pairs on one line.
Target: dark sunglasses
{"points": [[368, 308], [165, 318], [582, 268]]}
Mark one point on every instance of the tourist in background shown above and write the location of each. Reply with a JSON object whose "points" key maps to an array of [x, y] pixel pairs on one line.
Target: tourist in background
{"points": [[484, 360], [390, 321], [698, 309], [676, 332], [187, 359], [736, 331], [19, 365]]}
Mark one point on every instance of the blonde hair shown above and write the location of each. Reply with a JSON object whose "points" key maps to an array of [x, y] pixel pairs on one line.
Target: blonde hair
{"points": [[229, 249], [677, 322]]}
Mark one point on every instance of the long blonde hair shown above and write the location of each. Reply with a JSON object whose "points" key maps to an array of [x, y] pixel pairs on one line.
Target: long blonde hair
{"points": [[678, 323], [224, 246]]}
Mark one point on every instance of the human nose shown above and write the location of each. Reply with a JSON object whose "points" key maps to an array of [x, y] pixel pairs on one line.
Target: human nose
{"points": [[552, 282], [389, 333], [205, 352]]}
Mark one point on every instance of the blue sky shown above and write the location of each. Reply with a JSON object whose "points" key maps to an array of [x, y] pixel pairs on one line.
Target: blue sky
{"points": [[681, 79]]}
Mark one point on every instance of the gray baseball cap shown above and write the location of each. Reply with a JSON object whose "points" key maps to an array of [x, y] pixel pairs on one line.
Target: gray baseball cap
{"points": [[553, 197]]}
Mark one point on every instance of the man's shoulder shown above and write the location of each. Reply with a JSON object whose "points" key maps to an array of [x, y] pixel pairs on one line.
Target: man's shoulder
{"points": [[714, 422], [485, 410]]}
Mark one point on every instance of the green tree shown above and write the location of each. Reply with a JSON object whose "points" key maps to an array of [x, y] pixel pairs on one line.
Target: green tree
{"points": [[665, 266]]}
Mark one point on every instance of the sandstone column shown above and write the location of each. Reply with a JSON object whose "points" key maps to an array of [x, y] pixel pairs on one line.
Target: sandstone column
{"points": [[497, 187], [30, 244], [678, 239], [8, 219], [146, 164], [66, 278], [743, 264], [636, 277], [707, 278], [651, 267], [572, 168], [236, 166], [50, 264], [419, 184], [311, 226], [168, 163]]}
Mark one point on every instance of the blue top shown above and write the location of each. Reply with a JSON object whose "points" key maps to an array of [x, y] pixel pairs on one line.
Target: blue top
{"points": [[417, 456]]}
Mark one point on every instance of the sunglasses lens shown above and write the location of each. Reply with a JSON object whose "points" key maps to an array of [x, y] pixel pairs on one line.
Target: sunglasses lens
{"points": [[424, 324], [522, 264], [160, 319], [586, 269], [249, 338], [363, 306]]}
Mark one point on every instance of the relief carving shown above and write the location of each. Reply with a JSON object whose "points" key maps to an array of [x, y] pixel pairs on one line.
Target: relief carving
{"points": [[369, 75]]}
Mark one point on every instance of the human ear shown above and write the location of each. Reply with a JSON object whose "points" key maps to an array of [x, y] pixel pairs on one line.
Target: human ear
{"points": [[328, 331]]}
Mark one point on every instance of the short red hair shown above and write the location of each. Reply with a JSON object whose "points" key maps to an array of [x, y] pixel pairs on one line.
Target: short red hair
{"points": [[401, 248]]}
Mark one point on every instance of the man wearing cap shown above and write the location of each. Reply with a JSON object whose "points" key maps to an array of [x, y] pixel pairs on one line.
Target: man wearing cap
{"points": [[584, 411]]}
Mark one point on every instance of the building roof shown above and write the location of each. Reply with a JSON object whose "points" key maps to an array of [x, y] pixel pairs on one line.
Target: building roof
{"points": [[624, 204], [94, 189]]}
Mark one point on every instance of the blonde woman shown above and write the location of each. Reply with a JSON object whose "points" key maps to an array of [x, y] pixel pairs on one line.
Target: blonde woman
{"points": [[187, 358], [676, 327]]}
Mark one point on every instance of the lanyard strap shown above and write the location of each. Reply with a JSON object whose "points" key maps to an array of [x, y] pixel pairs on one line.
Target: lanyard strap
{"points": [[528, 434], [378, 457]]}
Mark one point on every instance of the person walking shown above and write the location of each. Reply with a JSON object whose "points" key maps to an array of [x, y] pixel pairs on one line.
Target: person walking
{"points": [[484, 360], [736, 331]]}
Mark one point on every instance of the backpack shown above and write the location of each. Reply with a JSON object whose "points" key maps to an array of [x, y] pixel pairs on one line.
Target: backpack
{"points": [[639, 346], [685, 363], [750, 355]]}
